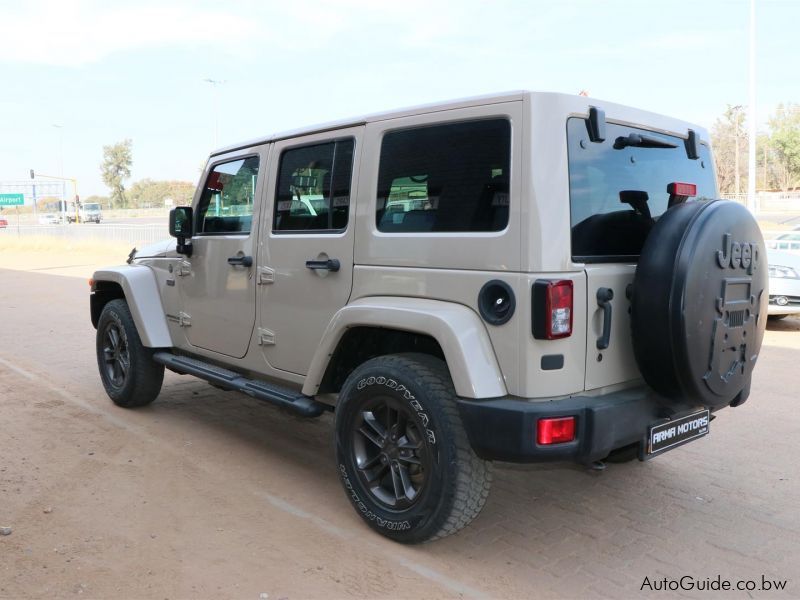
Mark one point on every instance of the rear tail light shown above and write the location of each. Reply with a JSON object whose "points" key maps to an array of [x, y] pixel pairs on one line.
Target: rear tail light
{"points": [[552, 309], [555, 430]]}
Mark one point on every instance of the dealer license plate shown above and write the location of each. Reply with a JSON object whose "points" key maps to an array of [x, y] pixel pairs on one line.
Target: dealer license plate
{"points": [[672, 434]]}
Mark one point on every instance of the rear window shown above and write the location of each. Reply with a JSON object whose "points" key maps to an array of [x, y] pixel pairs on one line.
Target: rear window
{"points": [[445, 178], [617, 193]]}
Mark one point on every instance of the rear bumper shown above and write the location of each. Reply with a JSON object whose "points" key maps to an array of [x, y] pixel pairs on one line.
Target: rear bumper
{"points": [[505, 428]]}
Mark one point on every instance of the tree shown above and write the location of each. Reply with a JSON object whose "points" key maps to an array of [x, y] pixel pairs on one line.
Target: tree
{"points": [[148, 193], [103, 201], [785, 142], [729, 138], [115, 169]]}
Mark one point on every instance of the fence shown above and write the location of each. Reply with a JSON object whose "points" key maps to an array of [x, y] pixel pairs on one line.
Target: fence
{"points": [[770, 202], [138, 235], [134, 235]]}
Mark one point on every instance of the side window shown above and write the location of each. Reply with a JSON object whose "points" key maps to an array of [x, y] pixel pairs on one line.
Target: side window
{"points": [[452, 177], [226, 205], [313, 192]]}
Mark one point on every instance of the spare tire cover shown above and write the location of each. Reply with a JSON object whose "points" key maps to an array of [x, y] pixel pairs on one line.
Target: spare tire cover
{"points": [[699, 303]]}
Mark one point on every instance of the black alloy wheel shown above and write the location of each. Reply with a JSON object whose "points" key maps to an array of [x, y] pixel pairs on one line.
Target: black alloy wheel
{"points": [[115, 354], [390, 454]]}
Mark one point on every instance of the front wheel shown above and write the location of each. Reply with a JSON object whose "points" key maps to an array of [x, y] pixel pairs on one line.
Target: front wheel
{"points": [[129, 374], [402, 452]]}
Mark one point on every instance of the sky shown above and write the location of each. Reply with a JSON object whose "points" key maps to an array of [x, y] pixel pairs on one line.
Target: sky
{"points": [[107, 70]]}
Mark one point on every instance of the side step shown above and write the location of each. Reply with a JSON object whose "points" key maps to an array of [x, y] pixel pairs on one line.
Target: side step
{"points": [[298, 403]]}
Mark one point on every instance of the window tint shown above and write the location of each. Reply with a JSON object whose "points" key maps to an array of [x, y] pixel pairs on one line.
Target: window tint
{"points": [[314, 187], [451, 177], [617, 193], [226, 205]]}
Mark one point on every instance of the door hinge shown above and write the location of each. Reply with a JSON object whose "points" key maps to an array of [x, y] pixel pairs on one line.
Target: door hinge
{"points": [[266, 337], [266, 275], [184, 268], [184, 319]]}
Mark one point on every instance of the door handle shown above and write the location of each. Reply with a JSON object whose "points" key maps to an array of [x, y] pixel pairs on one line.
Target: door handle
{"points": [[332, 264], [243, 261], [604, 297]]}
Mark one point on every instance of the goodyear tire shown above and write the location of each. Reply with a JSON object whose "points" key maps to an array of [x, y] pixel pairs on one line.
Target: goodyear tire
{"points": [[699, 304], [402, 453], [130, 376]]}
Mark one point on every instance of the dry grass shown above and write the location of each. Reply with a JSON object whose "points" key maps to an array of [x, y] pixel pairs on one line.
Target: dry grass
{"points": [[51, 244]]}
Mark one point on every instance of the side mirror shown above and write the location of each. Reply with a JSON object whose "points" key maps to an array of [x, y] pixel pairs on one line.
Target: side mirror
{"points": [[180, 226]]}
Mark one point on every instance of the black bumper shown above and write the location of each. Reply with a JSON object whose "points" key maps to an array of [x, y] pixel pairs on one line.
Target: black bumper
{"points": [[505, 428]]}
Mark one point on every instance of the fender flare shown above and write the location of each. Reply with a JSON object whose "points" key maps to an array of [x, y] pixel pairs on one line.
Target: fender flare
{"points": [[458, 330], [138, 283]]}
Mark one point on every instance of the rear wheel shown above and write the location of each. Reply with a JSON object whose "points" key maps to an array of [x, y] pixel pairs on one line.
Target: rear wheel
{"points": [[129, 374], [403, 455]]}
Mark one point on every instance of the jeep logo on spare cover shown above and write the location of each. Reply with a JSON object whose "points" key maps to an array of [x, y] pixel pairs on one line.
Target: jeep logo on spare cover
{"points": [[738, 314]]}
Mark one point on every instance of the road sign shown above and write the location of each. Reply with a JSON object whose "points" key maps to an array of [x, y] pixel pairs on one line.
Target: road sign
{"points": [[12, 199]]}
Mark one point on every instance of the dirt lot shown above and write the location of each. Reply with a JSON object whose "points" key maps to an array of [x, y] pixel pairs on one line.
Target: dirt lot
{"points": [[212, 494]]}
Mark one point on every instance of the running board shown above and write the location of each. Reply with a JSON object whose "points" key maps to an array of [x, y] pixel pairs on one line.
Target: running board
{"points": [[293, 401]]}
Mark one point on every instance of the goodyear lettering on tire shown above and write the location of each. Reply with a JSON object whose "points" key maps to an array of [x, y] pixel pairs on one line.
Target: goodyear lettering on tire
{"points": [[407, 395]]}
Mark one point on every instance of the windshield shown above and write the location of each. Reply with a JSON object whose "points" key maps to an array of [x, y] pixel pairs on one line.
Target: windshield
{"points": [[91, 206], [618, 188]]}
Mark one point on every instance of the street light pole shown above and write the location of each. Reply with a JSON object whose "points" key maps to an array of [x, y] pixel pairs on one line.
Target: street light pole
{"points": [[751, 117], [215, 100], [60, 146]]}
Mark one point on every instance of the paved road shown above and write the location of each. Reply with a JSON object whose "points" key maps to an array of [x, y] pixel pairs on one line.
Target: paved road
{"points": [[136, 221], [212, 494]]}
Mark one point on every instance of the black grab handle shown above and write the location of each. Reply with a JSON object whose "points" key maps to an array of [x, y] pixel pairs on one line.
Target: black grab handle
{"points": [[604, 297], [244, 261], [332, 264]]}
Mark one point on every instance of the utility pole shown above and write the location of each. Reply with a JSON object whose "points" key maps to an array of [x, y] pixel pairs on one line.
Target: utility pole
{"points": [[751, 117], [60, 146], [33, 184], [215, 100], [737, 124]]}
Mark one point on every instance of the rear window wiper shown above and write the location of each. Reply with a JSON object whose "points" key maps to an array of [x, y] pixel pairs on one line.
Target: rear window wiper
{"points": [[640, 141]]}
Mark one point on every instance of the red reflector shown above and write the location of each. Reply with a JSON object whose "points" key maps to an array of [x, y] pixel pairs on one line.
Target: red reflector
{"points": [[558, 310], [555, 430], [682, 189]]}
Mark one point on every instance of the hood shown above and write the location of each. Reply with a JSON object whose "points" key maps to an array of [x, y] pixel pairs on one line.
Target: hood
{"points": [[159, 249]]}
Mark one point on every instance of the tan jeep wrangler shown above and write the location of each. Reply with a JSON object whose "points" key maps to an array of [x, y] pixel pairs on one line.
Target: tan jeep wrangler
{"points": [[523, 277]]}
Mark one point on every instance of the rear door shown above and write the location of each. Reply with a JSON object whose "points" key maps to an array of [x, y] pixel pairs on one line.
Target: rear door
{"points": [[618, 190], [306, 261]]}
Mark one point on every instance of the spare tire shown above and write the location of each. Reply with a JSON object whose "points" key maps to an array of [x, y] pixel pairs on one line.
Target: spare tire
{"points": [[699, 304]]}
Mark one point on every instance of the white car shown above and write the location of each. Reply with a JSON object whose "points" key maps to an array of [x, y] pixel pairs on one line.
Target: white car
{"points": [[49, 219], [784, 284]]}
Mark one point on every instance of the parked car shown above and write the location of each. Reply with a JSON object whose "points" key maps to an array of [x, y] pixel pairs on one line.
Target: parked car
{"points": [[787, 242], [3, 222], [49, 219], [784, 284], [513, 277]]}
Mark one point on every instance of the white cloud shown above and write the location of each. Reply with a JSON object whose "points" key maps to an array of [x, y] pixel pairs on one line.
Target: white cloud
{"points": [[85, 31]]}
